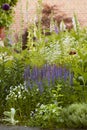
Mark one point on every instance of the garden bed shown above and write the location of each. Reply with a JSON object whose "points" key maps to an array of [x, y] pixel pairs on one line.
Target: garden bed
{"points": [[45, 85]]}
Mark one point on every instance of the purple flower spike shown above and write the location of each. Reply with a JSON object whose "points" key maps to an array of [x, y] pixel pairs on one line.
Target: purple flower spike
{"points": [[40, 87], [27, 75], [6, 7], [56, 29]]}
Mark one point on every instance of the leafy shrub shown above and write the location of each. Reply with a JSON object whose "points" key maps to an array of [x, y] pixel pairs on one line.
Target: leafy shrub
{"points": [[25, 100], [74, 116], [11, 70], [46, 116]]}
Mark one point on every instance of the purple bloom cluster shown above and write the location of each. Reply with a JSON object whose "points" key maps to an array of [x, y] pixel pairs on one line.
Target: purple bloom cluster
{"points": [[5, 6], [47, 75]]}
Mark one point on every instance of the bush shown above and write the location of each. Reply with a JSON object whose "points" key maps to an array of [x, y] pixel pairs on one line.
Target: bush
{"points": [[47, 116], [11, 70], [74, 116], [26, 100]]}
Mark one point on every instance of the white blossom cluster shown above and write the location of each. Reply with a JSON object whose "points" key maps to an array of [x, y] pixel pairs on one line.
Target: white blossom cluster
{"points": [[4, 56], [52, 52], [17, 92], [68, 43]]}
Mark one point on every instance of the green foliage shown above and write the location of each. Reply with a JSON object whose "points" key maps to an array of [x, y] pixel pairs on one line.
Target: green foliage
{"points": [[9, 116], [46, 116], [26, 100], [19, 98], [11, 70], [74, 116], [5, 19], [44, 109], [6, 13], [72, 94], [11, 2]]}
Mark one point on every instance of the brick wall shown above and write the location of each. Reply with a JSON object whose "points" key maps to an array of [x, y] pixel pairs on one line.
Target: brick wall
{"points": [[66, 6]]}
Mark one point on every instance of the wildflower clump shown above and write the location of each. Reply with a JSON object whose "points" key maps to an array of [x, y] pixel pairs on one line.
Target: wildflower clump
{"points": [[16, 93]]}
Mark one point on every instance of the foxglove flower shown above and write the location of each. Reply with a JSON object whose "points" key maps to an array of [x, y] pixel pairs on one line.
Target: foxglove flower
{"points": [[6, 7], [62, 26], [75, 22]]}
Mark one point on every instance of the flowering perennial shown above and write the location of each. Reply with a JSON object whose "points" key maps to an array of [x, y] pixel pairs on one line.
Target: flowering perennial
{"points": [[48, 75]]}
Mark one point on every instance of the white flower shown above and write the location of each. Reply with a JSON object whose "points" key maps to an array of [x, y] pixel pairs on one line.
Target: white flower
{"points": [[15, 96], [42, 106], [19, 93], [18, 86], [36, 110], [53, 110], [38, 104], [24, 98], [37, 89], [7, 97]]}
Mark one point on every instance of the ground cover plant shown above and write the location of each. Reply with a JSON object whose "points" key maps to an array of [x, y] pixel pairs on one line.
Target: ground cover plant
{"points": [[46, 82], [76, 115]]}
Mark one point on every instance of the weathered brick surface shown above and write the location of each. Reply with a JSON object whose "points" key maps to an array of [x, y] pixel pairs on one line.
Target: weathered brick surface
{"points": [[66, 6]]}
